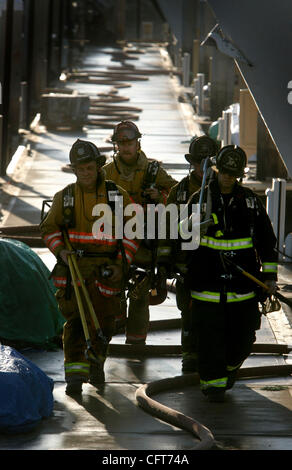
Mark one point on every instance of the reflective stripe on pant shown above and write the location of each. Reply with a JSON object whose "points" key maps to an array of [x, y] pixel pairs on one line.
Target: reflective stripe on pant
{"points": [[77, 368], [215, 297], [225, 335], [215, 383]]}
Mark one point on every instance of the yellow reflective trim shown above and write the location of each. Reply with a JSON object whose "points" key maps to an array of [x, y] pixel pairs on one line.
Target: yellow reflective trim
{"points": [[215, 218], [207, 296], [84, 364], [219, 233], [233, 297], [270, 267], [236, 244], [221, 382], [74, 367]]}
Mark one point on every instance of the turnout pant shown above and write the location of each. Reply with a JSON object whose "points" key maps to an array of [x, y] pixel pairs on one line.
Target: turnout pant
{"points": [[225, 333], [138, 318], [184, 304], [74, 344]]}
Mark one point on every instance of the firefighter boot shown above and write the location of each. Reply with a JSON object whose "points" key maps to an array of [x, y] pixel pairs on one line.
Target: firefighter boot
{"points": [[96, 374], [232, 375], [189, 362], [74, 386], [215, 394]]}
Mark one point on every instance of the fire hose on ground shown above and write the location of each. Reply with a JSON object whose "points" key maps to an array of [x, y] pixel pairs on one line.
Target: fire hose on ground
{"points": [[204, 437]]}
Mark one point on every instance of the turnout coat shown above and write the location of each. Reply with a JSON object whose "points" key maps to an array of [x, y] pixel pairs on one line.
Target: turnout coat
{"points": [[242, 233]]}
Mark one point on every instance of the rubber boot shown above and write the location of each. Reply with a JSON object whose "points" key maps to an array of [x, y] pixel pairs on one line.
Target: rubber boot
{"points": [[74, 386], [96, 374]]}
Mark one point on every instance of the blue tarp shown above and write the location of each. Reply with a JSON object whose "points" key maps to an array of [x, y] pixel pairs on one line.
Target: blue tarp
{"points": [[26, 393]]}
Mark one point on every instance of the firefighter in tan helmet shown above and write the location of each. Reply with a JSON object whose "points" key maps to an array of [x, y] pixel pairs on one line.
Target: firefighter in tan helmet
{"points": [[146, 183]]}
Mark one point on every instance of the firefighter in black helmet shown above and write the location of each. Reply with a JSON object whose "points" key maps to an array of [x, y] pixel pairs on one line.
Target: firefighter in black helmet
{"points": [[225, 313], [231, 160], [99, 260], [168, 254], [200, 148], [83, 151]]}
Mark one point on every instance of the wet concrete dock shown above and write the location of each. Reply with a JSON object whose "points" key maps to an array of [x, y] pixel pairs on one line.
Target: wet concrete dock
{"points": [[257, 414]]}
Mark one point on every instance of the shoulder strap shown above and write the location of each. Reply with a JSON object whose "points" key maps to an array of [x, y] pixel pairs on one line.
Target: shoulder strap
{"points": [[252, 208], [68, 206], [182, 194], [111, 191], [151, 173]]}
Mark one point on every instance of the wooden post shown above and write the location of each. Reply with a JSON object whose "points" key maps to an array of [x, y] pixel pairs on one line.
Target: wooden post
{"points": [[196, 57], [248, 123], [269, 162], [120, 19]]}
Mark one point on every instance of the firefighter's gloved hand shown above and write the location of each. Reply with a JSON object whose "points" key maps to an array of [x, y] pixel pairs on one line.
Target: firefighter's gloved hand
{"points": [[272, 286], [117, 273], [64, 255], [153, 193]]}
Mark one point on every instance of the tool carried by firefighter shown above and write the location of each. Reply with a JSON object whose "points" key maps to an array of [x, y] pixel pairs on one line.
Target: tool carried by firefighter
{"points": [[76, 276], [206, 218], [256, 280]]}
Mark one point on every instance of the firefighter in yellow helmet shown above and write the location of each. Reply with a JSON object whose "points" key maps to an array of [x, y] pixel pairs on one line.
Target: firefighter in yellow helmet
{"points": [[147, 183], [100, 261], [168, 252]]}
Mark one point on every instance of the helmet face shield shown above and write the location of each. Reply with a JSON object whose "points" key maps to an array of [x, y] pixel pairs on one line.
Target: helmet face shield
{"points": [[125, 134]]}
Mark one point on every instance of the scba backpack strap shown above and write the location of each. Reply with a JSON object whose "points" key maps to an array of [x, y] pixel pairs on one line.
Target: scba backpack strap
{"points": [[252, 208], [151, 173], [69, 213], [68, 198], [182, 194], [68, 209], [113, 191]]}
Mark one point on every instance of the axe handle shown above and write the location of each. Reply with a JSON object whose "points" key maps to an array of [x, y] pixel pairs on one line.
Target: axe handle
{"points": [[264, 286]]}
